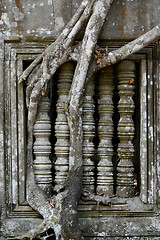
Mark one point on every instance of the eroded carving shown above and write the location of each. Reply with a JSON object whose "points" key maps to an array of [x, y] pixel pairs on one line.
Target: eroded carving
{"points": [[125, 178]]}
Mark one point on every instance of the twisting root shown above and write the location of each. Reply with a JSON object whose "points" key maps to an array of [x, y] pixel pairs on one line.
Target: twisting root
{"points": [[63, 219], [105, 200], [31, 81], [67, 36], [31, 67]]}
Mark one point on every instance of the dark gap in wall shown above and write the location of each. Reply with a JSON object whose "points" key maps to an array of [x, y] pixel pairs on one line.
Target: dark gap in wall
{"points": [[24, 100], [49, 235], [96, 138], [53, 96], [25, 64], [115, 118], [136, 139]]}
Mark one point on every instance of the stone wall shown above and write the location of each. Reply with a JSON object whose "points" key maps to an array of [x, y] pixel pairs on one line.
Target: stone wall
{"points": [[43, 19], [25, 29]]}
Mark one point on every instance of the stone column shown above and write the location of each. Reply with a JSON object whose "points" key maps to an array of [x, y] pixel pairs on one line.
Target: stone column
{"points": [[42, 147], [105, 132], [61, 126], [125, 178], [88, 135]]}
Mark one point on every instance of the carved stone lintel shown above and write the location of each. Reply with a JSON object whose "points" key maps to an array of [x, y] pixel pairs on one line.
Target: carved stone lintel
{"points": [[42, 147], [105, 132], [125, 178], [61, 126], [88, 135]]}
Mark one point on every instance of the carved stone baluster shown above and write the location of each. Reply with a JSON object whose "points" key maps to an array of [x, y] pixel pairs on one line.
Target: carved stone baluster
{"points": [[125, 178], [42, 147], [88, 135], [61, 126], [105, 132]]}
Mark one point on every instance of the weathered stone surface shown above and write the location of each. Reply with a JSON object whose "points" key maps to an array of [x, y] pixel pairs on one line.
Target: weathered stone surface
{"points": [[61, 127], [88, 135], [128, 19], [42, 19], [105, 132], [125, 177], [27, 18], [42, 147]]}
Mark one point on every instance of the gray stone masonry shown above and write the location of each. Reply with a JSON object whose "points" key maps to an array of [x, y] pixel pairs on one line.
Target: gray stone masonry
{"points": [[26, 27]]}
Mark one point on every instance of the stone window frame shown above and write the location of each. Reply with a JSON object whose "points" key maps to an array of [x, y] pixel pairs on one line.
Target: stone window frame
{"points": [[12, 133]]}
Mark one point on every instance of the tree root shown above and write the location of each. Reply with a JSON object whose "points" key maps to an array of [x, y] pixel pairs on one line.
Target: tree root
{"points": [[31, 81], [61, 215], [65, 39], [63, 218], [105, 200], [132, 47], [31, 234], [53, 221]]}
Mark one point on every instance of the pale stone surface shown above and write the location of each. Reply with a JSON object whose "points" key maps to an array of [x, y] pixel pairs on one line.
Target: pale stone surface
{"points": [[39, 21], [105, 132], [125, 178], [42, 147], [88, 135], [61, 126]]}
